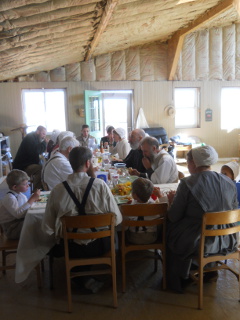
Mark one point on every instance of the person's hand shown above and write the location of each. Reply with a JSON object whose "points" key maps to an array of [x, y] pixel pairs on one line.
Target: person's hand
{"points": [[91, 171], [34, 197], [157, 192], [105, 145], [170, 196], [146, 162], [134, 172]]}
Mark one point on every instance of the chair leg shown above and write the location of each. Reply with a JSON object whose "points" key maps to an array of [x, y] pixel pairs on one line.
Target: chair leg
{"points": [[114, 283], [39, 275], [123, 272], [4, 261], [42, 266], [69, 292], [156, 260], [164, 282], [200, 288], [51, 270]]}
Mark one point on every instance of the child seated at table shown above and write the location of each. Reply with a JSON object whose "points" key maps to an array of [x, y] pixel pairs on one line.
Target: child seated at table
{"points": [[15, 204], [142, 189], [231, 170]]}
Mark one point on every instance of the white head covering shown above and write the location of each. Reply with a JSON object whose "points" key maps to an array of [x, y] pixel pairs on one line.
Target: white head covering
{"points": [[233, 165], [54, 135], [121, 132], [204, 156], [64, 134]]}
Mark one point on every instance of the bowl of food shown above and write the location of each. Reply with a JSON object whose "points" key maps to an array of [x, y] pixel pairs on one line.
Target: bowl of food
{"points": [[122, 189]]}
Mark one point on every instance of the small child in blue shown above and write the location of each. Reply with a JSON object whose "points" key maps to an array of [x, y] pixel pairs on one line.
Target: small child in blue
{"points": [[231, 170], [15, 204]]}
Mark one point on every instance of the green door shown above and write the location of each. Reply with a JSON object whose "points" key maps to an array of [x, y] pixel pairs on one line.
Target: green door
{"points": [[93, 113]]}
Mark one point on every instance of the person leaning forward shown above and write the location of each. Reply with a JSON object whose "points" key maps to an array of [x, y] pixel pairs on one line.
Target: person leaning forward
{"points": [[27, 157], [99, 200], [160, 166]]}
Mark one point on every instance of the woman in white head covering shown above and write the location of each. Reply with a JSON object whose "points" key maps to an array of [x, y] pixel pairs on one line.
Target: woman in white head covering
{"points": [[203, 191], [122, 147], [52, 142]]}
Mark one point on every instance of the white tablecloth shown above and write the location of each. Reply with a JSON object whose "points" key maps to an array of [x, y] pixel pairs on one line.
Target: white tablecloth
{"points": [[34, 244]]}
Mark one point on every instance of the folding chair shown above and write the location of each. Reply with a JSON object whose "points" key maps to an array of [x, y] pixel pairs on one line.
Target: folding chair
{"points": [[143, 210], [87, 222], [210, 219]]}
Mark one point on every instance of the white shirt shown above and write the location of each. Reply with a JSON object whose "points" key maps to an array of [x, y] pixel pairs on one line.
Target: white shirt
{"points": [[56, 170], [100, 200], [13, 206], [122, 148], [165, 169]]}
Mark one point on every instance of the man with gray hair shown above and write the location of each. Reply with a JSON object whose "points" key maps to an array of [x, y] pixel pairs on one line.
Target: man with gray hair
{"points": [[160, 166], [134, 158], [57, 168]]}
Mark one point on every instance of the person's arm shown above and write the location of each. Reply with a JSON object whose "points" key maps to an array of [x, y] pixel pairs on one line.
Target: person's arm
{"points": [[11, 204], [112, 149], [179, 204], [111, 205], [50, 216], [125, 149]]}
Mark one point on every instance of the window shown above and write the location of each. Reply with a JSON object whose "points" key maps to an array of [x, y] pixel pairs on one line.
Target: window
{"points": [[230, 108], [187, 107], [44, 107]]}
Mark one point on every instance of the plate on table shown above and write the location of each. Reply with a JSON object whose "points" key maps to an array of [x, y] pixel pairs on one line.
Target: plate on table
{"points": [[123, 199]]}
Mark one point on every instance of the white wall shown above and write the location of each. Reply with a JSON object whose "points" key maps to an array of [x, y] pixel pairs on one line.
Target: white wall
{"points": [[151, 96]]}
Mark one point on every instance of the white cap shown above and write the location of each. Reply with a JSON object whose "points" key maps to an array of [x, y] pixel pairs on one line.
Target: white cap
{"points": [[54, 135], [204, 156], [121, 132], [233, 165], [64, 134]]}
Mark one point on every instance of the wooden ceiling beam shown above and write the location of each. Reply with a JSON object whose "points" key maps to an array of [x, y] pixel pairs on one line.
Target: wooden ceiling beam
{"points": [[175, 44], [107, 14]]}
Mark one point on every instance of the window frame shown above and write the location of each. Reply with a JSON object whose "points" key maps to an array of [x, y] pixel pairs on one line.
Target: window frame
{"points": [[44, 90], [196, 107]]}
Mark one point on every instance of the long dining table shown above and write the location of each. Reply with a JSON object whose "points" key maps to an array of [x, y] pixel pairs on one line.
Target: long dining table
{"points": [[34, 244]]}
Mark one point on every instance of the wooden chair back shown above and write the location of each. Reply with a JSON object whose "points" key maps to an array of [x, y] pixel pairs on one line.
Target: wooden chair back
{"points": [[106, 221], [144, 210], [217, 219]]}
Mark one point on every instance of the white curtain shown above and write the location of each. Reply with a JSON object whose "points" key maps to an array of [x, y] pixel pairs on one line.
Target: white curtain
{"points": [[141, 120]]}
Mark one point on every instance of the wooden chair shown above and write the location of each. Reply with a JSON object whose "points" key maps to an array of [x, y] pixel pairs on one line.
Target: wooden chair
{"points": [[143, 210], [210, 219], [89, 221], [7, 247]]}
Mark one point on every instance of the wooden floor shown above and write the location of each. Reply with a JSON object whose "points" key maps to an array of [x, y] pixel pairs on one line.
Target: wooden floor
{"points": [[144, 299]]}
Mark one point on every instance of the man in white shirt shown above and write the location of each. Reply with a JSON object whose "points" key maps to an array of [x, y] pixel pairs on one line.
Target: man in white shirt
{"points": [[160, 166], [99, 200], [57, 168]]}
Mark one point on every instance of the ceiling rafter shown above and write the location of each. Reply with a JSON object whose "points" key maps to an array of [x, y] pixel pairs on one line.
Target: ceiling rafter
{"points": [[107, 14], [175, 44]]}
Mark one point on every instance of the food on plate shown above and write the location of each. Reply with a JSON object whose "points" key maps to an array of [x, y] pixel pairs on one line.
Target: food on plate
{"points": [[122, 189], [43, 198]]}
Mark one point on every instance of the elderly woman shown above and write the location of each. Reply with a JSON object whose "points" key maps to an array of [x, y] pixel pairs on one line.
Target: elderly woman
{"points": [[203, 191], [122, 147]]}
